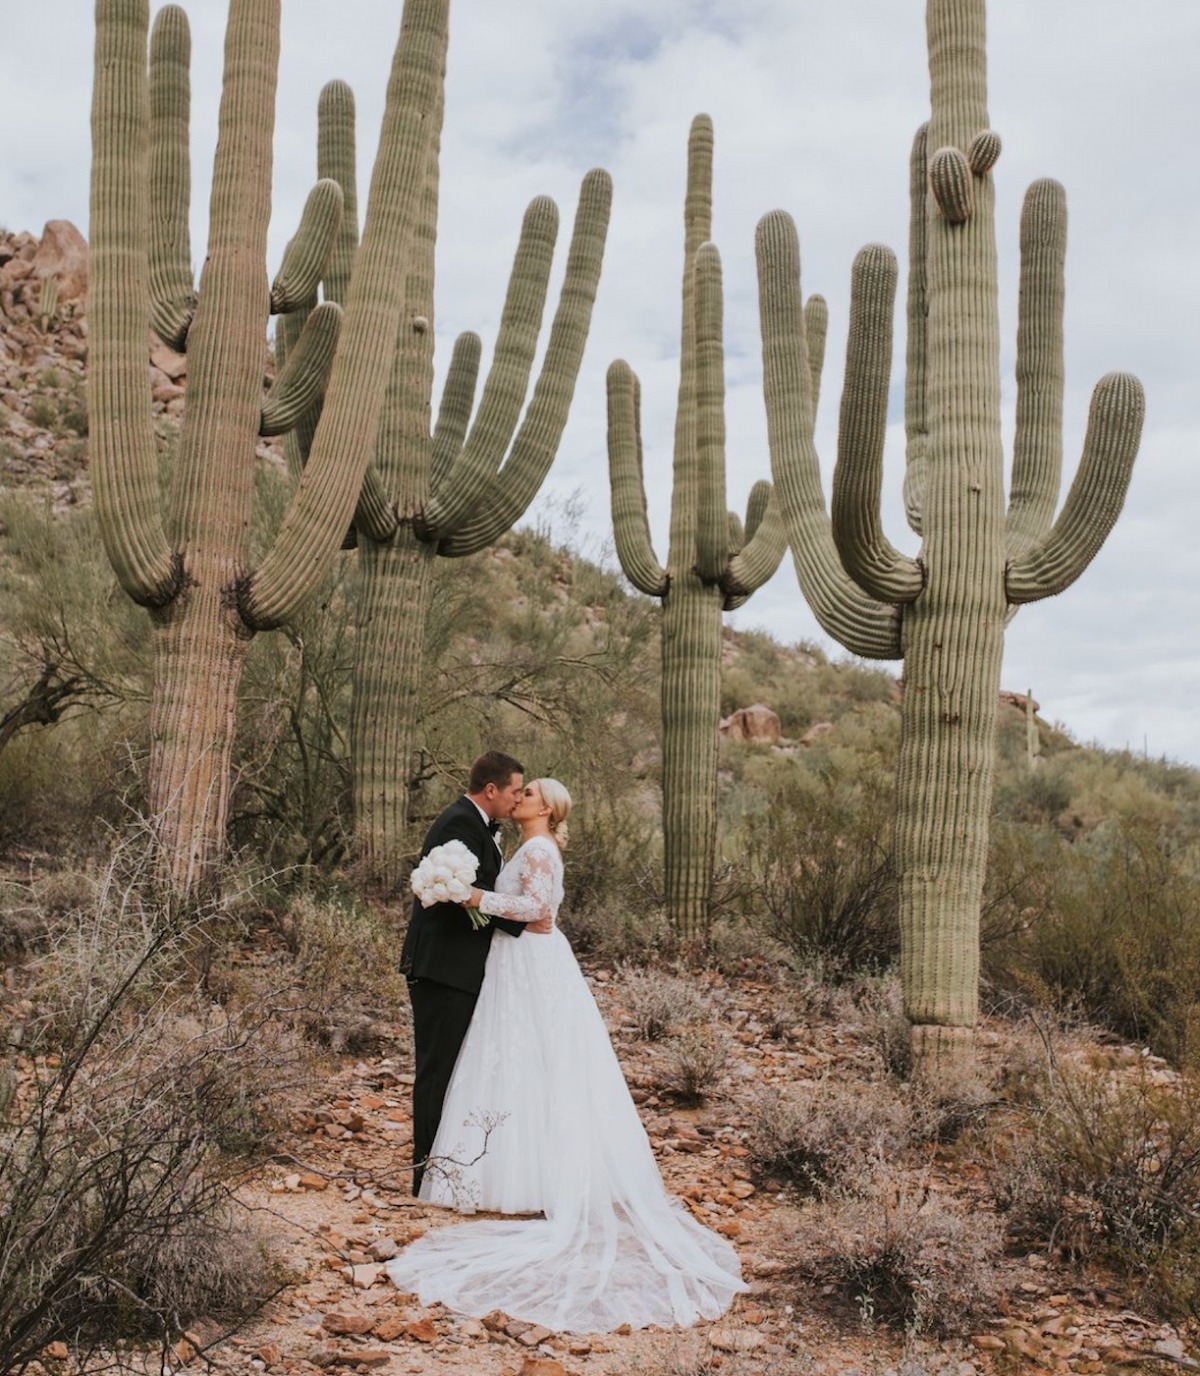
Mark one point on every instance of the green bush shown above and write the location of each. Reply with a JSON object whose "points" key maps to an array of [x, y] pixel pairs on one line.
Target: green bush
{"points": [[1104, 1165], [817, 870]]}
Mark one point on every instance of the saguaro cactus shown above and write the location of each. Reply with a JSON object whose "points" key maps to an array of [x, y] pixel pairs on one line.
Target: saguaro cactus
{"points": [[456, 490], [713, 562], [944, 612], [190, 565]]}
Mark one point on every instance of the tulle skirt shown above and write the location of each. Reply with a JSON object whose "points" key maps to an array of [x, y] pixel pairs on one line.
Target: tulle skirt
{"points": [[538, 1118]]}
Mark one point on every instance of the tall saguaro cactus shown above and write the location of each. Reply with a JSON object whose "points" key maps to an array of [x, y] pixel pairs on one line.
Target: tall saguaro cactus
{"points": [[189, 565], [454, 491], [713, 562], [944, 612]]}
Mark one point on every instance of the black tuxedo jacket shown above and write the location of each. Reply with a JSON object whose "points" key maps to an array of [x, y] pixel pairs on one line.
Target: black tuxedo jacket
{"points": [[441, 943]]}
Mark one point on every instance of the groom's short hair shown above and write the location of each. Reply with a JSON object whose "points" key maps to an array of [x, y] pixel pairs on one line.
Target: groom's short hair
{"points": [[494, 767]]}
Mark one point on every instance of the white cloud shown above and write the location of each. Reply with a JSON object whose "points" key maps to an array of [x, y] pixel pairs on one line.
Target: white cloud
{"points": [[814, 107]]}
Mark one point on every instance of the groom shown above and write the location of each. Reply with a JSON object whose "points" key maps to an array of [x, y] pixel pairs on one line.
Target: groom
{"points": [[443, 954]]}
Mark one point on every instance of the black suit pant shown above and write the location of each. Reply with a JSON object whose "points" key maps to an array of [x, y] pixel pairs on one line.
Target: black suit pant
{"points": [[441, 1016]]}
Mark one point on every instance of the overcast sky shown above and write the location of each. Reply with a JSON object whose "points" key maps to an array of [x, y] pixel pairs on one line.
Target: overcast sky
{"points": [[814, 105]]}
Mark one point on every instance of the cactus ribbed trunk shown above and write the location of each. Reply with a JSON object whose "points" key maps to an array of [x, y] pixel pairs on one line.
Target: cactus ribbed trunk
{"points": [[713, 562], [200, 655], [691, 707], [192, 568], [945, 612], [954, 632], [456, 490], [393, 606]]}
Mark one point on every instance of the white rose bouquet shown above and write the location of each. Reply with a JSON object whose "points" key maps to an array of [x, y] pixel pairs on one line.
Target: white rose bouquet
{"points": [[446, 875]]}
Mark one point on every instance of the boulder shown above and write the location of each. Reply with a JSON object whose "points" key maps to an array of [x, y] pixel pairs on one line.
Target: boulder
{"points": [[758, 723], [63, 252]]}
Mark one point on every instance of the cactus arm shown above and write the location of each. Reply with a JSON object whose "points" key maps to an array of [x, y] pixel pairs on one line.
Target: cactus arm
{"points": [[335, 159], [317, 516], [508, 377], [757, 562], [1094, 502], [172, 291], [735, 532], [879, 569], [712, 522], [376, 514], [301, 382], [308, 251], [506, 497], [697, 230], [631, 526], [1037, 444], [761, 499], [864, 626], [124, 461], [916, 421], [458, 397], [816, 331]]}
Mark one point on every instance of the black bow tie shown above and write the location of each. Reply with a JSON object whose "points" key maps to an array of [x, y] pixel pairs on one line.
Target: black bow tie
{"points": [[494, 827]]}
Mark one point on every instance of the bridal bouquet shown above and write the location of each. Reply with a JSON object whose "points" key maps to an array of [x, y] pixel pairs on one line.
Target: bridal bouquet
{"points": [[445, 875]]}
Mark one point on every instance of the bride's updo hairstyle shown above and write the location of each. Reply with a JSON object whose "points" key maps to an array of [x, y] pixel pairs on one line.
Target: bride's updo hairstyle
{"points": [[558, 800]]}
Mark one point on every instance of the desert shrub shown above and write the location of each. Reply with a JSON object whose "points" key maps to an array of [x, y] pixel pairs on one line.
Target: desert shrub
{"points": [[659, 1003], [117, 1219], [348, 991], [1113, 936], [818, 870], [693, 1063], [1105, 1165], [827, 1136], [904, 1255]]}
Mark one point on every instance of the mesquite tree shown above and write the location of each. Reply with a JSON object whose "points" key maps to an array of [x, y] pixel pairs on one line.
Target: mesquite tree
{"points": [[453, 491], [713, 562], [943, 612], [189, 564]]}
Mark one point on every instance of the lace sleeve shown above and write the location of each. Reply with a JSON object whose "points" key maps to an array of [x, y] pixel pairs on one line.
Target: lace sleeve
{"points": [[537, 897]]}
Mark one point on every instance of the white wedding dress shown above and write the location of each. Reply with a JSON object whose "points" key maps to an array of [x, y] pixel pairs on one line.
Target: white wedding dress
{"points": [[614, 1247]]}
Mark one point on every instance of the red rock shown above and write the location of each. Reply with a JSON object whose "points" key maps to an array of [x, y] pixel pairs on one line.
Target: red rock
{"points": [[371, 1356], [346, 1321], [389, 1329], [63, 253], [421, 1330], [542, 1366]]}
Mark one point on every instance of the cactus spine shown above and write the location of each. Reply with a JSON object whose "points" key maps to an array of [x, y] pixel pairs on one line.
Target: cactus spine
{"points": [[456, 490], [713, 564], [944, 613], [190, 564]]}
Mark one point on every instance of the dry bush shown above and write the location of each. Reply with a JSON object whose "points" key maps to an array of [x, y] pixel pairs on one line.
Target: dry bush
{"points": [[829, 1135], [946, 1107], [123, 1138], [659, 1003], [694, 1063], [1106, 1165], [349, 990], [914, 1260]]}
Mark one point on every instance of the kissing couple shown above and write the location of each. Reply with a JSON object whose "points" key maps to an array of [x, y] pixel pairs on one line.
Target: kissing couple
{"points": [[520, 1106]]}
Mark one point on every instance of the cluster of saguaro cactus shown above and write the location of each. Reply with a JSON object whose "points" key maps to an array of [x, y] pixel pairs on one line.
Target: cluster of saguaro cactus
{"points": [[944, 612], [190, 564], [456, 490], [713, 563]]}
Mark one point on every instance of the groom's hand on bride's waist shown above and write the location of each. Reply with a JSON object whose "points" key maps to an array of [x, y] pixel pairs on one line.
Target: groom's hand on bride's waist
{"points": [[543, 926]]}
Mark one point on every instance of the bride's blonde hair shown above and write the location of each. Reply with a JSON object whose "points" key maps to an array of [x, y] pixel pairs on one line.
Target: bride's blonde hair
{"points": [[558, 800]]}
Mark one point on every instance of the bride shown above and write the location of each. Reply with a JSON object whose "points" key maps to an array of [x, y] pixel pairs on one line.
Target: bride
{"points": [[540, 1118]]}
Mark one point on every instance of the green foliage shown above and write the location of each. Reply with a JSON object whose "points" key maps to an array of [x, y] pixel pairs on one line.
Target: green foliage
{"points": [[818, 870], [1105, 1165]]}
